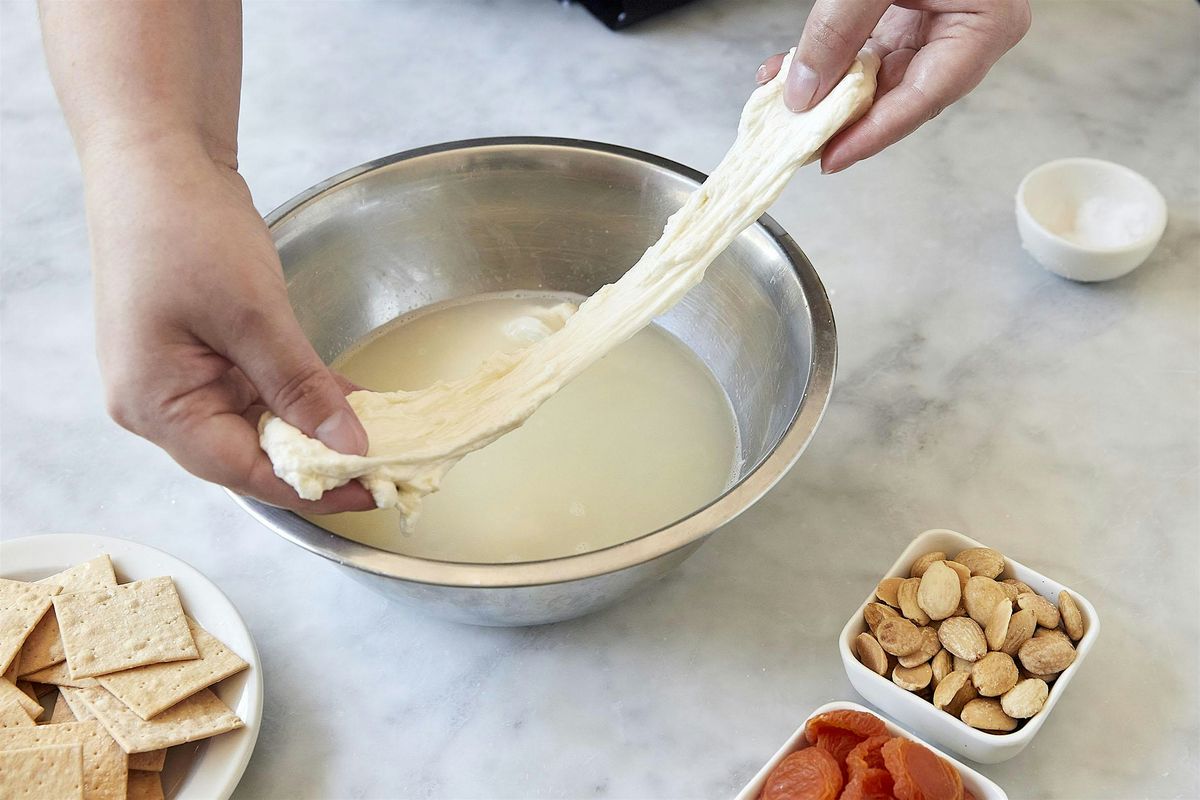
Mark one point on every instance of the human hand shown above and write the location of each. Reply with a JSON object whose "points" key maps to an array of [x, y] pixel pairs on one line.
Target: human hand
{"points": [[933, 53], [194, 331]]}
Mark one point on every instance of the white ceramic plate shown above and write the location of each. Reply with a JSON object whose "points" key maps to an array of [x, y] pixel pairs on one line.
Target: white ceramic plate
{"points": [[918, 713], [976, 784], [208, 769]]}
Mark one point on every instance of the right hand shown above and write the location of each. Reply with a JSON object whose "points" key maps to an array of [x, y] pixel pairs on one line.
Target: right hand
{"points": [[195, 334], [933, 53]]}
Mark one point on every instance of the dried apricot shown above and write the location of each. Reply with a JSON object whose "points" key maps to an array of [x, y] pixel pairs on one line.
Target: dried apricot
{"points": [[874, 784], [919, 774], [839, 744], [808, 774], [867, 755], [860, 722], [839, 732]]}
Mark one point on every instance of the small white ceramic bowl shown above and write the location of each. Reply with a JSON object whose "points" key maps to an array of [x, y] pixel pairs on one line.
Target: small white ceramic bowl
{"points": [[976, 784], [1127, 211], [206, 770], [917, 712]]}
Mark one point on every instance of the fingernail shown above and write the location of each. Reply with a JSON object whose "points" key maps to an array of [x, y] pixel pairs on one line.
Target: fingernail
{"points": [[761, 75], [339, 432], [826, 171], [802, 83]]}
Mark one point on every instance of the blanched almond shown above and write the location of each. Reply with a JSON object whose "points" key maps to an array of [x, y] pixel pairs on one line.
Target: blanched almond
{"points": [[938, 592], [921, 564], [1042, 633], [1020, 630], [982, 561], [914, 679], [928, 649], [954, 692], [1021, 586], [875, 613], [1072, 617], [1046, 677], [898, 636], [908, 601], [1046, 655], [1025, 699], [963, 572], [942, 665], [986, 714], [963, 637], [1010, 591], [981, 596], [1043, 609], [996, 630], [887, 589], [870, 653], [962, 665], [994, 674]]}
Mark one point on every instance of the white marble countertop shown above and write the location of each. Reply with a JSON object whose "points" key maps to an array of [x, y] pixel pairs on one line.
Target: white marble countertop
{"points": [[1054, 420]]}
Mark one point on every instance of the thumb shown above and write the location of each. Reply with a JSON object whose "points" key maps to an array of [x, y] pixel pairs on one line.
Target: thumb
{"points": [[296, 385], [833, 34]]}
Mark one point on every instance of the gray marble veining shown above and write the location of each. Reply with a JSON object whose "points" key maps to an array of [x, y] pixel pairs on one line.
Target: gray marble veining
{"points": [[1054, 420]]}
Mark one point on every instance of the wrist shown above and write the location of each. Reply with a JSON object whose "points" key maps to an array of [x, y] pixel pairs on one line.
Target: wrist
{"points": [[124, 145]]}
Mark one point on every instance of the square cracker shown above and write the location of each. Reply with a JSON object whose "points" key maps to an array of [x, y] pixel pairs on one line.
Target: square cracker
{"points": [[62, 711], [13, 716], [75, 702], [144, 785], [104, 763], [151, 689], [200, 716], [123, 627], [150, 761], [48, 772], [14, 668], [43, 647], [10, 693], [60, 676], [21, 607]]}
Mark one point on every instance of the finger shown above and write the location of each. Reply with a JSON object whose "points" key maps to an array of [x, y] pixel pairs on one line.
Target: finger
{"points": [[769, 68], [224, 449], [293, 381], [833, 34], [891, 71], [345, 384], [936, 76]]}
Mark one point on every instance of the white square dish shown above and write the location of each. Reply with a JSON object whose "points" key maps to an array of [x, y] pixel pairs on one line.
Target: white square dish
{"points": [[976, 784], [918, 713]]}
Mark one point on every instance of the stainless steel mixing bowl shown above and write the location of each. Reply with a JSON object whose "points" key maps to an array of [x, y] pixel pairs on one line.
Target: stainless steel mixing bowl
{"points": [[492, 215]]}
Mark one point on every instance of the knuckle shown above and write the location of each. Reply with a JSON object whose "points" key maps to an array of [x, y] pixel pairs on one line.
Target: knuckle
{"points": [[1022, 18], [825, 34], [247, 321], [126, 399], [300, 389], [122, 410]]}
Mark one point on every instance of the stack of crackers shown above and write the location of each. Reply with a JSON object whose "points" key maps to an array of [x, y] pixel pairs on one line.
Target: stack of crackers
{"points": [[99, 680]]}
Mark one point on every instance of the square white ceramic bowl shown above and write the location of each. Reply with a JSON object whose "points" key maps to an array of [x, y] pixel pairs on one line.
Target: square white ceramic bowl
{"points": [[976, 784], [918, 713]]}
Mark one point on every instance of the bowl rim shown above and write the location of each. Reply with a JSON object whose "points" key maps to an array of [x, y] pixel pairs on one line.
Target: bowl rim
{"points": [[644, 548], [1159, 206], [919, 707]]}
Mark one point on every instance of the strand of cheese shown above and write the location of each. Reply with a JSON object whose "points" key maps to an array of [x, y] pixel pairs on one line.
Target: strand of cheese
{"points": [[415, 437]]}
